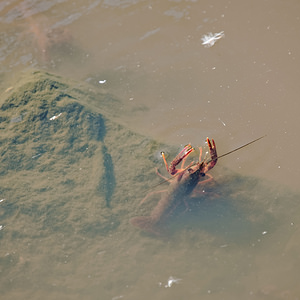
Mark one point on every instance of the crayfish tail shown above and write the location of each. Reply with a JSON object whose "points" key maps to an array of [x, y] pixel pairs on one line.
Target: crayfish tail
{"points": [[144, 222]]}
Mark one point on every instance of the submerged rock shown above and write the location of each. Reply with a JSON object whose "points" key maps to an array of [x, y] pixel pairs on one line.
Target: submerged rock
{"points": [[64, 162]]}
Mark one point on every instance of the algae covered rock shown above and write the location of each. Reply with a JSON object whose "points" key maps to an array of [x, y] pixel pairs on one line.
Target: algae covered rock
{"points": [[64, 163]]}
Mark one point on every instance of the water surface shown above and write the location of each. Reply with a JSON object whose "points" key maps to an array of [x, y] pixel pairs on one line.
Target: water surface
{"points": [[150, 55]]}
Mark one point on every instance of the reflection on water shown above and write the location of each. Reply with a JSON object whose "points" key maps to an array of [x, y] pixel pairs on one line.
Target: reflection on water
{"points": [[239, 241]]}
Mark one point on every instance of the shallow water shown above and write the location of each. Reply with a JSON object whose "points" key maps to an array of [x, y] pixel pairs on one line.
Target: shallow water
{"points": [[150, 55]]}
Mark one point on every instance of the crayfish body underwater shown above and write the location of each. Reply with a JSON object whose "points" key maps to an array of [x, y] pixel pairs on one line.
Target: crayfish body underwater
{"points": [[182, 185]]}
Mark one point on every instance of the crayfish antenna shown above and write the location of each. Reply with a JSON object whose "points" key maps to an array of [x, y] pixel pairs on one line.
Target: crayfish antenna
{"points": [[205, 157]]}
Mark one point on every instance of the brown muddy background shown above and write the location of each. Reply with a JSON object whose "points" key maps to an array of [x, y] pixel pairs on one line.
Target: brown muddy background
{"points": [[151, 56]]}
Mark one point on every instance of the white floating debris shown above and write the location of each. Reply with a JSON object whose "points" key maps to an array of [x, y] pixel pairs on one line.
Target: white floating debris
{"points": [[171, 281], [55, 117], [2, 200], [117, 297], [222, 122], [102, 81], [264, 232], [1, 227], [208, 40], [147, 34]]}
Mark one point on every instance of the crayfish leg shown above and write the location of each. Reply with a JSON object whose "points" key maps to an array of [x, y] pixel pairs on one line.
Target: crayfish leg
{"points": [[150, 194], [200, 154], [160, 175], [165, 161]]}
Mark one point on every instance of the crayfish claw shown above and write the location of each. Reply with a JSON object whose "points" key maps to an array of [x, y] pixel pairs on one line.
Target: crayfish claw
{"points": [[213, 154], [181, 156]]}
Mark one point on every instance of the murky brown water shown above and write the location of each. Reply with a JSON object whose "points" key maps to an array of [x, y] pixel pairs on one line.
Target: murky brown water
{"points": [[150, 54]]}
